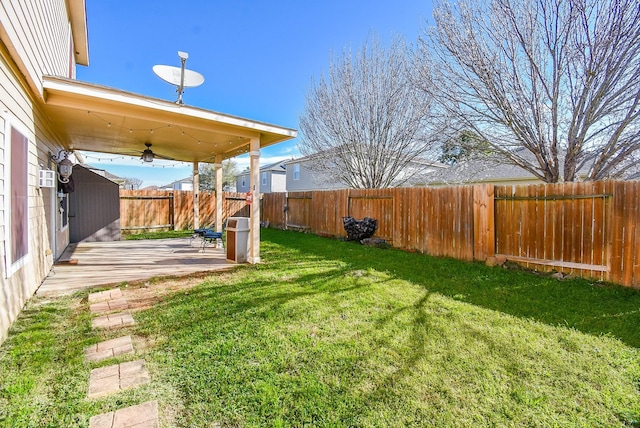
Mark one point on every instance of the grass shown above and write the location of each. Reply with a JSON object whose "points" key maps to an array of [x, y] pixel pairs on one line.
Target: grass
{"points": [[158, 234], [330, 333]]}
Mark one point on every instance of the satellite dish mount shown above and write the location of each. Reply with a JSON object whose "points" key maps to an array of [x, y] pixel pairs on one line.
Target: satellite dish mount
{"points": [[179, 76]]}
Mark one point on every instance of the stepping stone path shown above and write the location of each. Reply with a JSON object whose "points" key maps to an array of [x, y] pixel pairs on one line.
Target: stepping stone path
{"points": [[108, 380], [109, 348], [113, 321], [109, 305], [143, 415], [116, 293]]}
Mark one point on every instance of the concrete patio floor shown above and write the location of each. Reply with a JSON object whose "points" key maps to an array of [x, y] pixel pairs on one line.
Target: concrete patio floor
{"points": [[91, 264]]}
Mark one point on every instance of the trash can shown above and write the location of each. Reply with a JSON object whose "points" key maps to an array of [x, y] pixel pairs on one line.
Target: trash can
{"points": [[238, 239]]}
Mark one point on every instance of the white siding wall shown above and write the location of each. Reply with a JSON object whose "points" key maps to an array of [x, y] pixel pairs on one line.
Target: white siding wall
{"points": [[278, 182], [36, 35]]}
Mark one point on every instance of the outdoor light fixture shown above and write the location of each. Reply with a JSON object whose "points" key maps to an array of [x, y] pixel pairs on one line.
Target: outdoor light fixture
{"points": [[147, 154], [65, 166]]}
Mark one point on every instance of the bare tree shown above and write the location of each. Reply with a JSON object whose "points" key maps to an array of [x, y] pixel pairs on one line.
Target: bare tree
{"points": [[365, 122], [207, 182], [559, 78], [132, 183]]}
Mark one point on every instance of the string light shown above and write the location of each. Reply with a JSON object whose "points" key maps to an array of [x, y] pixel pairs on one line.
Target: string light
{"points": [[111, 159], [152, 130]]}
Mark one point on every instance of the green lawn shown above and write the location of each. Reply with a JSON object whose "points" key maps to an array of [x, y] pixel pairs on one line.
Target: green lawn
{"points": [[330, 333], [158, 235]]}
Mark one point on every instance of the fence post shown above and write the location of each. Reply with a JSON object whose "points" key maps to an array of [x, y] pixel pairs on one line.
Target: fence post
{"points": [[172, 211], [483, 222]]}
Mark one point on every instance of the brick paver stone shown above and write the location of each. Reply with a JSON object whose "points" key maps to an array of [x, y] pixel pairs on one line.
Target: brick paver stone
{"points": [[105, 420], [113, 321], [115, 293], [109, 305], [143, 415], [109, 348], [132, 374], [110, 379]]}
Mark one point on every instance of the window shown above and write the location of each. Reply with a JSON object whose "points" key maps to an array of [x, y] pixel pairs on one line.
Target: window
{"points": [[264, 178], [296, 171], [243, 181], [17, 186]]}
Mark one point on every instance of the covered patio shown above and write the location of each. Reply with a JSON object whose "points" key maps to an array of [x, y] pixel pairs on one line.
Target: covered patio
{"points": [[102, 119], [92, 264]]}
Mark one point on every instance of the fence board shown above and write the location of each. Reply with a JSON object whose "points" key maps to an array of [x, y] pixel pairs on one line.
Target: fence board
{"points": [[563, 227], [173, 209], [483, 222], [273, 211], [377, 204], [599, 229], [634, 217], [618, 231], [235, 205], [145, 209], [630, 218]]}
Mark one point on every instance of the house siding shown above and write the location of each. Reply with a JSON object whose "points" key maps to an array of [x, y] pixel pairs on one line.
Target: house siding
{"points": [[239, 187], [309, 179], [279, 182], [38, 36], [35, 39], [274, 179]]}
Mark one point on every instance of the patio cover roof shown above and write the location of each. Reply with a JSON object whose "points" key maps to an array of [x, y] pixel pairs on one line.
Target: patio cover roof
{"points": [[102, 119]]}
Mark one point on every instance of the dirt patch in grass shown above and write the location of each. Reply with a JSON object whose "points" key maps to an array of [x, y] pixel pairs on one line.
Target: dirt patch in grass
{"points": [[146, 294], [143, 295]]}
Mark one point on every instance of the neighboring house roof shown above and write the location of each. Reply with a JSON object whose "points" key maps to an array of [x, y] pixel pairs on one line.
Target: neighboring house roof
{"points": [[418, 168], [632, 173], [417, 161], [102, 172], [182, 180], [480, 170], [275, 166], [488, 169]]}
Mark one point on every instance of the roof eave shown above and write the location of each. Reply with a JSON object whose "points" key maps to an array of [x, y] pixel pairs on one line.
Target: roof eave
{"points": [[79, 30]]}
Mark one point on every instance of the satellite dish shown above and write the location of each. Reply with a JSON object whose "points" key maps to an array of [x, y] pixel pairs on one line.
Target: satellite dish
{"points": [[179, 76], [172, 75]]}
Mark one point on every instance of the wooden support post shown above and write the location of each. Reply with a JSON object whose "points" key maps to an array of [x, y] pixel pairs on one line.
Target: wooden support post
{"points": [[219, 202], [196, 192], [254, 223]]}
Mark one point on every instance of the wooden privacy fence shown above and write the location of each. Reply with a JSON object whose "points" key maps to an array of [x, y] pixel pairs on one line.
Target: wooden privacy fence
{"points": [[173, 209], [586, 229]]}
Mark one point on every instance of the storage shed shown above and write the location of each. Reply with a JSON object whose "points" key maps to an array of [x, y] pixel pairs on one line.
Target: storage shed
{"points": [[94, 207]]}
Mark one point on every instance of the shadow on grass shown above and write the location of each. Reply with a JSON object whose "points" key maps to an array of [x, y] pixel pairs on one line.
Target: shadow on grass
{"points": [[236, 301], [587, 306], [249, 346]]}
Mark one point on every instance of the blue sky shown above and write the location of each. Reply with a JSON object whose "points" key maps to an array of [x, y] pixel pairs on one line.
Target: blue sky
{"points": [[257, 57]]}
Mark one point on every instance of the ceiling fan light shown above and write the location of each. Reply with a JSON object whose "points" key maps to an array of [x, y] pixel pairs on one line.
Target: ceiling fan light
{"points": [[147, 155]]}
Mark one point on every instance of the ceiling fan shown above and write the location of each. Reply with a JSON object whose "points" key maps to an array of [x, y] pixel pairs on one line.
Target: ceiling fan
{"points": [[148, 155]]}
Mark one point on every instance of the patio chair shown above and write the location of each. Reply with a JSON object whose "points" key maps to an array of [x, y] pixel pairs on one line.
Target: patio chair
{"points": [[207, 236]]}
